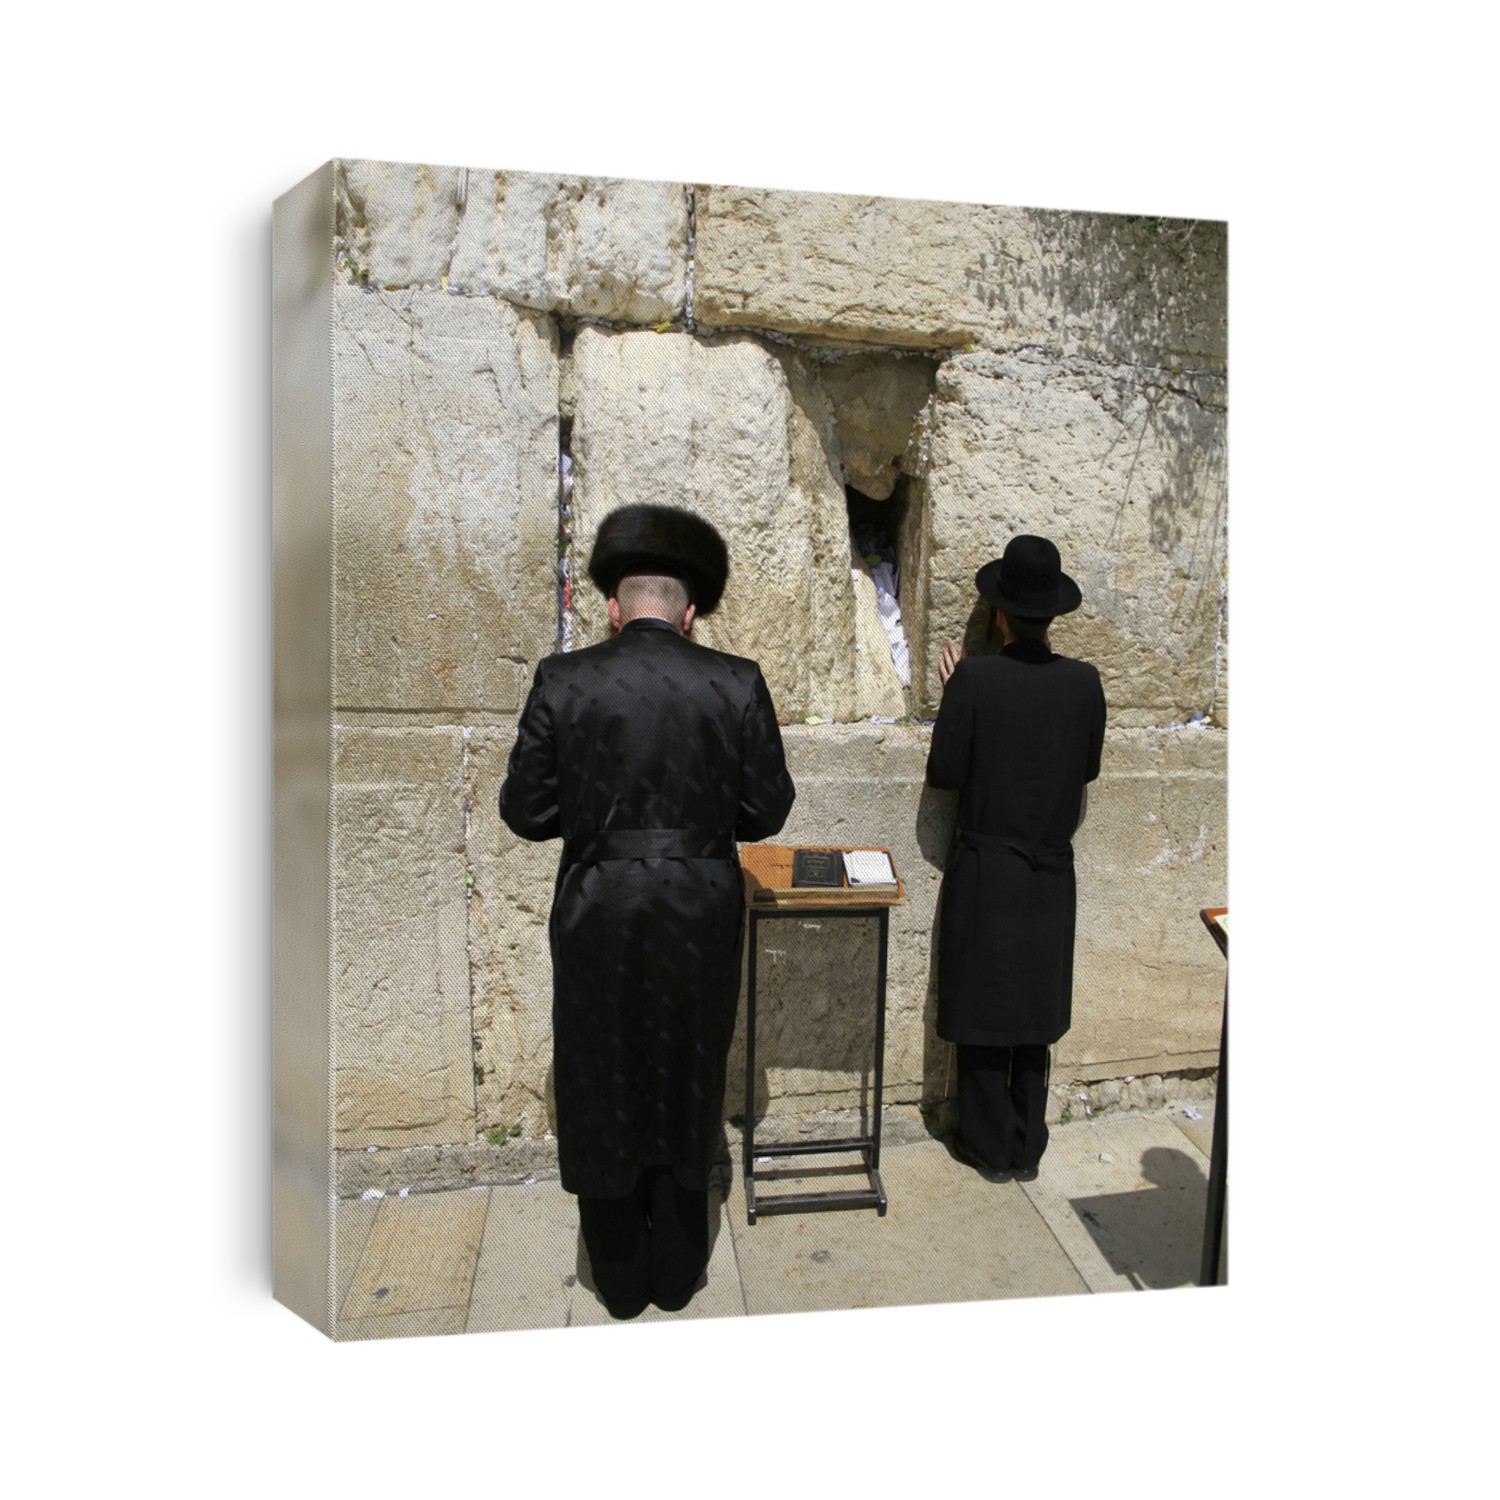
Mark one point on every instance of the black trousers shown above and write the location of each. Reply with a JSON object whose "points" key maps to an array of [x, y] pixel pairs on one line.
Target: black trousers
{"points": [[649, 1246], [1002, 1105]]}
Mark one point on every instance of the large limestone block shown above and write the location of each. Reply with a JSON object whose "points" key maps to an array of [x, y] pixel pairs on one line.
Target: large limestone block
{"points": [[1133, 288], [445, 500], [395, 222], [1147, 983], [919, 274], [403, 1064], [1126, 472], [1147, 980], [827, 266], [744, 436], [1152, 853], [509, 955], [586, 247]]}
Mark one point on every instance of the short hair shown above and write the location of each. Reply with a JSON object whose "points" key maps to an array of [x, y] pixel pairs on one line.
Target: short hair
{"points": [[638, 592], [1029, 627]]}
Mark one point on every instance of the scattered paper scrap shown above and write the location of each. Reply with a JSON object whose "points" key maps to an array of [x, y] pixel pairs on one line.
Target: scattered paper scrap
{"points": [[1106, 1158], [1190, 1112]]}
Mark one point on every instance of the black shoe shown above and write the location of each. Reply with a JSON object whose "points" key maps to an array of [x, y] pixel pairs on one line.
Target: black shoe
{"points": [[680, 1300], [1027, 1174], [971, 1158], [624, 1311]]}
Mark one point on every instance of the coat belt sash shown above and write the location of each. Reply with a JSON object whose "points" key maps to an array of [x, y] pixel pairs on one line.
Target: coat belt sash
{"points": [[648, 843], [1038, 856]]}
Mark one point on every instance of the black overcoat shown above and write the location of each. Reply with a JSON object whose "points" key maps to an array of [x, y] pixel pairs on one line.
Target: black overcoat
{"points": [[648, 755], [1019, 734]]}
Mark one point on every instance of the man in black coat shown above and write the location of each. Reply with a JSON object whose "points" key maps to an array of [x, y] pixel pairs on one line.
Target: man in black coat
{"points": [[648, 755], [1019, 734]]}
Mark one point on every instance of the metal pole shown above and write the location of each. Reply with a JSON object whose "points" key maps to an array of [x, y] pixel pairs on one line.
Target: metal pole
{"points": [[1218, 1162], [747, 1136]]}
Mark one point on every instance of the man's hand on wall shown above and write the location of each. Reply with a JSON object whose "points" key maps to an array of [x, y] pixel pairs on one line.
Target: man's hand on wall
{"points": [[950, 658]]}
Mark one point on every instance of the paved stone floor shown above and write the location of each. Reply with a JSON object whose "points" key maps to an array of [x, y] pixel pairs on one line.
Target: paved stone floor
{"points": [[1118, 1206]]}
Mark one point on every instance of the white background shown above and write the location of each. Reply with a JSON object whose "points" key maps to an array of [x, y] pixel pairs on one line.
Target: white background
{"points": [[144, 146]]}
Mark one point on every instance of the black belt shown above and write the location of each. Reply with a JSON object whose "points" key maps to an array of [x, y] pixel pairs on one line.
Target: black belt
{"points": [[647, 843], [1038, 856]]}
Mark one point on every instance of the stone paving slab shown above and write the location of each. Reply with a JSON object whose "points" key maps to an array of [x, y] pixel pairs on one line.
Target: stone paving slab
{"points": [[722, 1297], [525, 1259], [1125, 1198], [1118, 1206], [948, 1235], [1201, 1131], [425, 1323], [352, 1224], [419, 1256], [533, 1272]]}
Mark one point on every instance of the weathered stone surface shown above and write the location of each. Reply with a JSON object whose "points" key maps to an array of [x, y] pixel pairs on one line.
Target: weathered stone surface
{"points": [[1148, 982], [585, 247], [1089, 405], [509, 955], [856, 786], [1125, 288], [868, 270], [402, 1053], [918, 274], [419, 1257], [877, 399], [445, 500], [426, 1169], [1147, 987], [740, 434], [1126, 473], [1152, 852], [395, 222]]}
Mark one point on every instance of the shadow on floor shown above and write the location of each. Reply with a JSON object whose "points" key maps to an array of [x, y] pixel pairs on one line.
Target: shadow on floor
{"points": [[1152, 1238]]}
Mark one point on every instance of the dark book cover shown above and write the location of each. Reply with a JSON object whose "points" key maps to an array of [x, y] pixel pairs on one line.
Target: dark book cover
{"points": [[817, 867]]}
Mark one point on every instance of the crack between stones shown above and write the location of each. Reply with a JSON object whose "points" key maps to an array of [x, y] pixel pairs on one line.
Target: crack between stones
{"points": [[689, 313]]}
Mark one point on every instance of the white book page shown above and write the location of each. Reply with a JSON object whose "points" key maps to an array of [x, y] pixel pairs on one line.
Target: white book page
{"points": [[869, 867]]}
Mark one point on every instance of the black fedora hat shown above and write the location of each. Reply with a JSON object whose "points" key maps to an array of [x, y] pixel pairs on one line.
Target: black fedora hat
{"points": [[1028, 581], [661, 539]]}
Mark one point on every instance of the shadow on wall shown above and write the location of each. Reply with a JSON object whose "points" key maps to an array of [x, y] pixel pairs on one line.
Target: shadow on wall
{"points": [[812, 1037], [937, 814]]}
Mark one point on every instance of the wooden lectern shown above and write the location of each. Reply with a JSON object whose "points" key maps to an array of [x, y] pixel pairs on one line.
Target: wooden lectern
{"points": [[770, 894]]}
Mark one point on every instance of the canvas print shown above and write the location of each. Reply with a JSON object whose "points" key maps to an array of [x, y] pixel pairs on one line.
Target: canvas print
{"points": [[631, 537]]}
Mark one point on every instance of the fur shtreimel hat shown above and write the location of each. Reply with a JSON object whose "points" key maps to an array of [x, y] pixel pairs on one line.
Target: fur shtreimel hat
{"points": [[665, 540], [1028, 581]]}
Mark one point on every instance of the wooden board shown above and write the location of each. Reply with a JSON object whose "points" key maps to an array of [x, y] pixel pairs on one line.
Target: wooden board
{"points": [[767, 871], [1216, 919]]}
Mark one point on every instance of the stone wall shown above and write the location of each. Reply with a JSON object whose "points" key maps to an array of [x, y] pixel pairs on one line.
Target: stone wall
{"points": [[977, 370]]}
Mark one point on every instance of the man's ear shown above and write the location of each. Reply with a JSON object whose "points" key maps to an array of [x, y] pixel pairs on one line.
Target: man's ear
{"points": [[614, 613], [688, 616]]}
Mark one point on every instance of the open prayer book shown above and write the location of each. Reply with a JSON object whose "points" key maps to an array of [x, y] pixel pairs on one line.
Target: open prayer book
{"points": [[869, 870]]}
